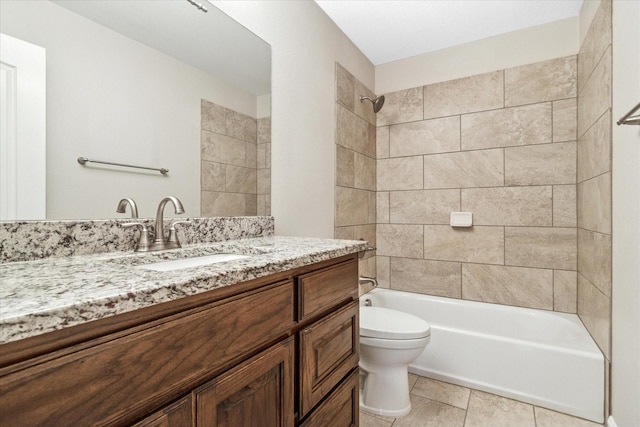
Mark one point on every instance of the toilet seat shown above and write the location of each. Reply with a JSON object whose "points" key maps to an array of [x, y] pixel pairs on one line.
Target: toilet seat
{"points": [[380, 322]]}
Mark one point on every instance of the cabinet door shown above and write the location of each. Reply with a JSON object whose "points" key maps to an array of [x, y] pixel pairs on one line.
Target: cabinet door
{"points": [[341, 409], [257, 393], [328, 351], [322, 290], [180, 414]]}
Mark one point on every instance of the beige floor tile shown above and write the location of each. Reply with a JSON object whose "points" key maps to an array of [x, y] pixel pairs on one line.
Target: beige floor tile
{"points": [[370, 420], [488, 410], [548, 418], [412, 380], [429, 413], [442, 392]]}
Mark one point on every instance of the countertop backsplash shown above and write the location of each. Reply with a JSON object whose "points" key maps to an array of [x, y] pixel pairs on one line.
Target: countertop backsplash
{"points": [[32, 240]]}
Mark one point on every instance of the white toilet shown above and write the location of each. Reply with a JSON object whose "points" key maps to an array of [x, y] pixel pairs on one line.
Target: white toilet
{"points": [[389, 341]]}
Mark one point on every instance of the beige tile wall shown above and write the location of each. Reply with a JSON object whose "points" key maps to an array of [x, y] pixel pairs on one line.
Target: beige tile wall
{"points": [[594, 179], [231, 178], [501, 145], [355, 210]]}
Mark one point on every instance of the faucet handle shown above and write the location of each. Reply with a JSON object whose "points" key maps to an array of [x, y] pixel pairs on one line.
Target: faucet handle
{"points": [[145, 238], [172, 240]]}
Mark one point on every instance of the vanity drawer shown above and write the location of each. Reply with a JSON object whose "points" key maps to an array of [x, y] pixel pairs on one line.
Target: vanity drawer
{"points": [[323, 289], [119, 381], [341, 409], [328, 351]]}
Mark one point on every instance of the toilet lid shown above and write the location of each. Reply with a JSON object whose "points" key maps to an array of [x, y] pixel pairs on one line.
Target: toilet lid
{"points": [[379, 322]]}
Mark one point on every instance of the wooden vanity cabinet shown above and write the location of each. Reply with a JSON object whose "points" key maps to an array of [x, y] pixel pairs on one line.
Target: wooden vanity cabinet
{"points": [[275, 354], [257, 393], [179, 414], [329, 345]]}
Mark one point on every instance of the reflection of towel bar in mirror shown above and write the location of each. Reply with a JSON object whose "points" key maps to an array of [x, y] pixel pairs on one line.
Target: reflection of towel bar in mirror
{"points": [[83, 160], [627, 119]]}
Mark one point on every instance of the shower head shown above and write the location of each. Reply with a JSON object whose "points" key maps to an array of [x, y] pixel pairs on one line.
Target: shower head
{"points": [[377, 103]]}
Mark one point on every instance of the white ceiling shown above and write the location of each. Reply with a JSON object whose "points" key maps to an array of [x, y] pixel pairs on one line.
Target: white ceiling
{"points": [[388, 30]]}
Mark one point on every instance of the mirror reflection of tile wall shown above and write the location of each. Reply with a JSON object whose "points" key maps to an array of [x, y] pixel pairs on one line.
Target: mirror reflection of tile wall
{"points": [[235, 166]]}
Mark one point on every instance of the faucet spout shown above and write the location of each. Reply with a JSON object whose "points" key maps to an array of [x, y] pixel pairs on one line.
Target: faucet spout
{"points": [[122, 206], [160, 239]]}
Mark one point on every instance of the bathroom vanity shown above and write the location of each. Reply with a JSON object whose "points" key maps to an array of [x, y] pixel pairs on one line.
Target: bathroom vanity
{"points": [[267, 340]]}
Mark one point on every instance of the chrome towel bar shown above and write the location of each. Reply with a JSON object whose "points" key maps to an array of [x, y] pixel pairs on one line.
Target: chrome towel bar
{"points": [[83, 160], [629, 118]]}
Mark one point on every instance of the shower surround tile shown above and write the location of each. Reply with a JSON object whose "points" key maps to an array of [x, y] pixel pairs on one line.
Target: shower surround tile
{"points": [[401, 107], [554, 248], [564, 206], [595, 98], [423, 206], [364, 172], [425, 137], [518, 286], [540, 164], [382, 142], [530, 206], [383, 210], [345, 166], [404, 173], [353, 132], [594, 149], [440, 278], [543, 81], [345, 87], [565, 291], [525, 125], [596, 42], [474, 244], [465, 95], [594, 204], [483, 168], [594, 259], [397, 240], [565, 120], [352, 206], [594, 309]]}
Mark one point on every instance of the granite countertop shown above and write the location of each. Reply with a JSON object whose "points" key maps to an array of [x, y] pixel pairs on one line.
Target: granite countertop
{"points": [[53, 293]]}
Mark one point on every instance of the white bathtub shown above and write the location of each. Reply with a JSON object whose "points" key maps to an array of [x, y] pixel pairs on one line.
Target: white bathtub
{"points": [[535, 356]]}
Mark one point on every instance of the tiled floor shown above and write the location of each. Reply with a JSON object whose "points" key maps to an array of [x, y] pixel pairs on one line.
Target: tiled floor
{"points": [[439, 404]]}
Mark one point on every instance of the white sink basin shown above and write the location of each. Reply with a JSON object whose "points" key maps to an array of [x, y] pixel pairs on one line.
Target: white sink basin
{"points": [[191, 262]]}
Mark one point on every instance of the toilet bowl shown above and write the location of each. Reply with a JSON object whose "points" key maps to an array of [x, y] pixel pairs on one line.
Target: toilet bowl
{"points": [[389, 341]]}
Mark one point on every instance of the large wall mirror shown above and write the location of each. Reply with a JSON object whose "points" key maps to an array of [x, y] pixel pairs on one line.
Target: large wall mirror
{"points": [[159, 84]]}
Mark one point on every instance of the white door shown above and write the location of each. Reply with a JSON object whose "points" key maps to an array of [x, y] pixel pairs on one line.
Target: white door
{"points": [[22, 129]]}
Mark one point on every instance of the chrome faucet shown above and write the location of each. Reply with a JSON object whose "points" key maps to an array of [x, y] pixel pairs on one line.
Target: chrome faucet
{"points": [[161, 241], [122, 207]]}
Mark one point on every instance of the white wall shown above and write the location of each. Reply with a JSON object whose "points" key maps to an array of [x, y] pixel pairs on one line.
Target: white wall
{"points": [[305, 45], [110, 98], [540, 43], [625, 366]]}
